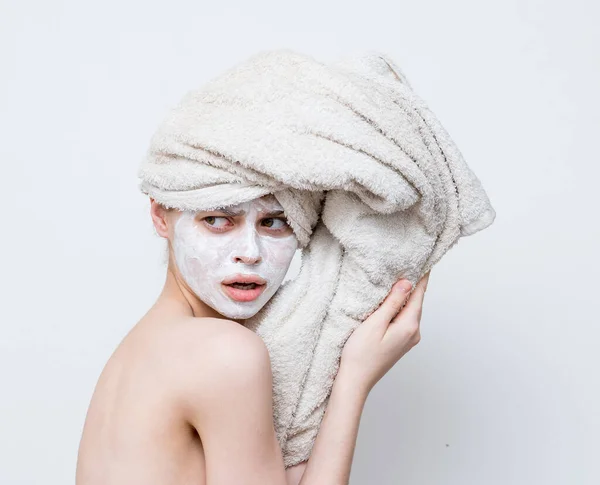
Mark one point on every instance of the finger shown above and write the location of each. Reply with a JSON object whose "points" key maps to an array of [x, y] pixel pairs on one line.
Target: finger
{"points": [[393, 301], [426, 279], [413, 307]]}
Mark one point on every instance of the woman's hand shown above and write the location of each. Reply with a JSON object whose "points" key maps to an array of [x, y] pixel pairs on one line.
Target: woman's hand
{"points": [[386, 335]]}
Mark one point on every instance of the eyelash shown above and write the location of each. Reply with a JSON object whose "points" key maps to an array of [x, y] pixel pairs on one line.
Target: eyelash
{"points": [[286, 225]]}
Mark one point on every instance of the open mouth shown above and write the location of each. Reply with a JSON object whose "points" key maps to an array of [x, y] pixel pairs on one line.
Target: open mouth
{"points": [[244, 287], [243, 291]]}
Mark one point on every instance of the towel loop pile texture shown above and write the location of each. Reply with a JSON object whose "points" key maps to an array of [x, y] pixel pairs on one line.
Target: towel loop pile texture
{"points": [[371, 183]]}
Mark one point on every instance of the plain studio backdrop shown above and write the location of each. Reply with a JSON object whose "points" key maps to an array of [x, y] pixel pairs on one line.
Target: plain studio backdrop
{"points": [[504, 386]]}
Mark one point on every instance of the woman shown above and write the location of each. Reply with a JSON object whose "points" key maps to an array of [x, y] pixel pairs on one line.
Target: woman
{"points": [[187, 395]]}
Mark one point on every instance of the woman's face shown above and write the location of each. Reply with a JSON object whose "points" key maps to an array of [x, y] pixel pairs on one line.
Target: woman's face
{"points": [[217, 252]]}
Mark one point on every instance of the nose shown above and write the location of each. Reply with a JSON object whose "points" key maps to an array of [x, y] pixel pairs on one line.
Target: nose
{"points": [[248, 252]]}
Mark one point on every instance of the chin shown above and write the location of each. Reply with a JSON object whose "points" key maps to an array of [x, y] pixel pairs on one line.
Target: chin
{"points": [[242, 311], [239, 310]]}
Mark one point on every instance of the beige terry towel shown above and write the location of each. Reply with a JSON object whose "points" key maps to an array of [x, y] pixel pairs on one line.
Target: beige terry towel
{"points": [[371, 183]]}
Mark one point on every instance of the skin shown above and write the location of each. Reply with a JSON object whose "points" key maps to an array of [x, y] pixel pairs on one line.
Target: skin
{"points": [[158, 417], [209, 248]]}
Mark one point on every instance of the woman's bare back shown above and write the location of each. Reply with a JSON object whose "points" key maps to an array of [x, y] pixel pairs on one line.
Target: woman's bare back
{"points": [[135, 430]]}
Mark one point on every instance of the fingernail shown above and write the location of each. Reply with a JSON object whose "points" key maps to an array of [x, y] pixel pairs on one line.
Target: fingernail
{"points": [[405, 285]]}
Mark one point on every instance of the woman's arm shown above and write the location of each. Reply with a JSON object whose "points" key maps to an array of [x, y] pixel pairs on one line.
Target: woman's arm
{"points": [[374, 347], [294, 473], [331, 457], [338, 431], [228, 399]]}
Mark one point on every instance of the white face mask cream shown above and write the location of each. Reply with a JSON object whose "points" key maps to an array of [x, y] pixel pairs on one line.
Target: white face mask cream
{"points": [[240, 243]]}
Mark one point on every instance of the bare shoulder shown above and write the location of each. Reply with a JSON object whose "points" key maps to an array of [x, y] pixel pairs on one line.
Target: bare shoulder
{"points": [[227, 397], [210, 356], [213, 340]]}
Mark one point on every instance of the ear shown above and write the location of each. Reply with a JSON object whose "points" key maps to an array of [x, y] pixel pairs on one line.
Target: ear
{"points": [[159, 218]]}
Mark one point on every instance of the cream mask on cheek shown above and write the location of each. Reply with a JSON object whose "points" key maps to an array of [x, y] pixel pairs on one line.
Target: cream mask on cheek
{"points": [[253, 245]]}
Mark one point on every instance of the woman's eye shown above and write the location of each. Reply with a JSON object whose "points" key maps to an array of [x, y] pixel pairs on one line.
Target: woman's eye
{"points": [[213, 221], [275, 223]]}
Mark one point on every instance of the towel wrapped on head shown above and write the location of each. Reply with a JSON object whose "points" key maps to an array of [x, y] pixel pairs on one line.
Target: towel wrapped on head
{"points": [[371, 183]]}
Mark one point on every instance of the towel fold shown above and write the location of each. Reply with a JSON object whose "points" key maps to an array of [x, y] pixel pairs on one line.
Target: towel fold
{"points": [[371, 183]]}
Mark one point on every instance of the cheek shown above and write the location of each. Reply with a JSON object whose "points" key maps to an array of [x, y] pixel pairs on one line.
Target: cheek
{"points": [[188, 254], [280, 252], [196, 253]]}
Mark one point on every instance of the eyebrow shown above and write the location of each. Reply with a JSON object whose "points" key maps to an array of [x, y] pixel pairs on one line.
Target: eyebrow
{"points": [[231, 212], [275, 213]]}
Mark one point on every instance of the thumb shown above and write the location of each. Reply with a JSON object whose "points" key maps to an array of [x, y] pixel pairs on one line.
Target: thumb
{"points": [[393, 302]]}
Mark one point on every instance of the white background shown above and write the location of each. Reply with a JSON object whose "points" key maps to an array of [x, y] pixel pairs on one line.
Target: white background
{"points": [[504, 386]]}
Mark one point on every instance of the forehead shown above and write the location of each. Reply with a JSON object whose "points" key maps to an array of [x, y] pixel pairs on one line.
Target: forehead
{"points": [[265, 204]]}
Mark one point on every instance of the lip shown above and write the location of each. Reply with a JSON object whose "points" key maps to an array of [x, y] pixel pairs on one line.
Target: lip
{"points": [[244, 278], [238, 294]]}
